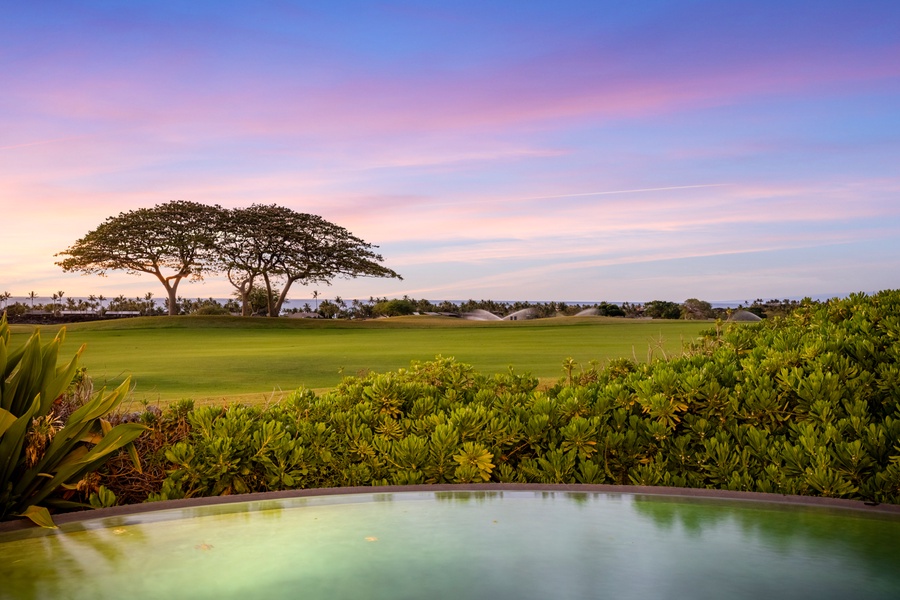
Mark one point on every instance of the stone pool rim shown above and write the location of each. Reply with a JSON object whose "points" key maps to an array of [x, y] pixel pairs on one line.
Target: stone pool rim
{"points": [[858, 506]]}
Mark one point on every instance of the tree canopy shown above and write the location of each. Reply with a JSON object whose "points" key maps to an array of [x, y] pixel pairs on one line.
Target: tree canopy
{"points": [[692, 308], [662, 309], [272, 244], [265, 245], [170, 241]]}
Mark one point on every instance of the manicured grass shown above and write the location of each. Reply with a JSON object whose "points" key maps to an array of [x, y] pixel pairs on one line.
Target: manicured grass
{"points": [[226, 359]]}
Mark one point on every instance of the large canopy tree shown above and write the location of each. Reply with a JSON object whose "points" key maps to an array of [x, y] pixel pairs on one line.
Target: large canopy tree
{"points": [[250, 242], [170, 241], [280, 245]]}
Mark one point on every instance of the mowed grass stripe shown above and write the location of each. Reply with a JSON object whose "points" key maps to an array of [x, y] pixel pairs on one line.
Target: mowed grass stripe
{"points": [[227, 359]]}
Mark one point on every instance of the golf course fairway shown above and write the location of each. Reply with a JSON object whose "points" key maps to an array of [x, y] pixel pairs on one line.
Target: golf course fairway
{"points": [[254, 360]]}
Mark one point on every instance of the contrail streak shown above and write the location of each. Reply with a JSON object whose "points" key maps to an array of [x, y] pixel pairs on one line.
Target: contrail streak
{"points": [[659, 189]]}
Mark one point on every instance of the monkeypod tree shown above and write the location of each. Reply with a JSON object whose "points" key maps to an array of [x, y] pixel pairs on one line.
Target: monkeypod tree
{"points": [[320, 251], [250, 243], [170, 241], [276, 244]]}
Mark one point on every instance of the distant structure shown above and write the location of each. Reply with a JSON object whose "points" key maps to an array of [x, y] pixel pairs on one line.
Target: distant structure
{"points": [[522, 315], [481, 315], [588, 312]]}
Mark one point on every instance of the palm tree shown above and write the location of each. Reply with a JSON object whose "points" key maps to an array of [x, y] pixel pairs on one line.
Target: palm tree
{"points": [[5, 296], [32, 295], [315, 296]]}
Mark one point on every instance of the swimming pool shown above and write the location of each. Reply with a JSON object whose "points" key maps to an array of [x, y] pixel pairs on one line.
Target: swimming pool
{"points": [[493, 542]]}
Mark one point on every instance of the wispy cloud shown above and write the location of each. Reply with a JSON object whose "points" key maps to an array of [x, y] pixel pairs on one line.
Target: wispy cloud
{"points": [[637, 191]]}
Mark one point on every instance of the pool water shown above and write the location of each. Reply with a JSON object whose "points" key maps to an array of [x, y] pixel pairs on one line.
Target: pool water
{"points": [[496, 545]]}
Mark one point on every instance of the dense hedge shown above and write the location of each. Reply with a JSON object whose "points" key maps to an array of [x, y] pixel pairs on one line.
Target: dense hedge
{"points": [[809, 404]]}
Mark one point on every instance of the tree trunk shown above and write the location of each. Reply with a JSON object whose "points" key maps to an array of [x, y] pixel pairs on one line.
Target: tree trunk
{"points": [[270, 306], [171, 289], [283, 296], [173, 302], [244, 287], [245, 302]]}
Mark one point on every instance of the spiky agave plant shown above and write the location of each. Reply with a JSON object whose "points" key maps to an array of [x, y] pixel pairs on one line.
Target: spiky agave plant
{"points": [[39, 454]]}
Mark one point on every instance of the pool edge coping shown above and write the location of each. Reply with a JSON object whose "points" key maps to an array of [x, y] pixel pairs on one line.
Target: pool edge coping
{"points": [[635, 490]]}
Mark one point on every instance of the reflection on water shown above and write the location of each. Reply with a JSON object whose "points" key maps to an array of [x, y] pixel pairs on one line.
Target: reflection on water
{"points": [[509, 544]]}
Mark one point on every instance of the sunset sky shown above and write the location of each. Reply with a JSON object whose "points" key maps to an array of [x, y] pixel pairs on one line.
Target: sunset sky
{"points": [[578, 151]]}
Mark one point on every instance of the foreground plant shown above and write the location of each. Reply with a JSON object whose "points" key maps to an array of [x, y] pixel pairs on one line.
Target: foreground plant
{"points": [[43, 454]]}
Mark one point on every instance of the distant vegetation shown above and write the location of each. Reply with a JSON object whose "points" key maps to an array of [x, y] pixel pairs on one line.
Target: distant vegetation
{"points": [[258, 302]]}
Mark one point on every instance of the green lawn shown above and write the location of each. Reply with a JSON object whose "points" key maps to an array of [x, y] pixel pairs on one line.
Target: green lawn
{"points": [[217, 359]]}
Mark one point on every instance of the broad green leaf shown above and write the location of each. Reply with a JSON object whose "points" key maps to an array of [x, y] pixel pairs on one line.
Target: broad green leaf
{"points": [[40, 516]]}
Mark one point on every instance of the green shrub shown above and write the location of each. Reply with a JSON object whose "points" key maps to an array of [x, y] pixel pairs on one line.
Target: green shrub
{"points": [[394, 308], [210, 309], [42, 453]]}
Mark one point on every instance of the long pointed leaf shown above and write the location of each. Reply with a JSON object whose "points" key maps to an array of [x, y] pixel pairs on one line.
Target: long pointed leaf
{"points": [[11, 444], [16, 397], [4, 359], [49, 356], [37, 484], [135, 458], [120, 436], [115, 440], [101, 405], [57, 380], [78, 427], [64, 442], [80, 422], [6, 420]]}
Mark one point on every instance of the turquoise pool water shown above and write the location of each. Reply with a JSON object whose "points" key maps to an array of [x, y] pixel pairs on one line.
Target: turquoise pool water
{"points": [[496, 545]]}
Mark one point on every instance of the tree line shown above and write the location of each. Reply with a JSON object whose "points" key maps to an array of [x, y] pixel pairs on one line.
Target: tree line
{"points": [[257, 302], [265, 246]]}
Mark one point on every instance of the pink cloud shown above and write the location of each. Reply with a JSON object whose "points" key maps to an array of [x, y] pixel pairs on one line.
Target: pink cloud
{"points": [[175, 95]]}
